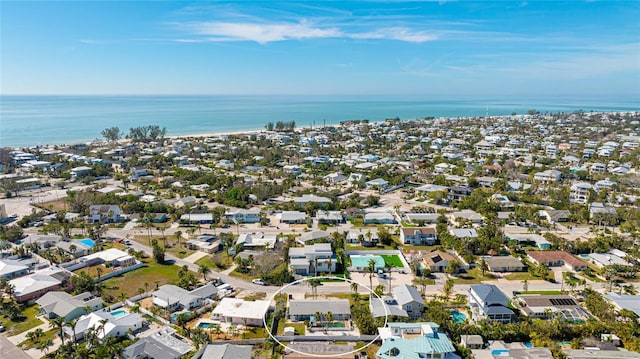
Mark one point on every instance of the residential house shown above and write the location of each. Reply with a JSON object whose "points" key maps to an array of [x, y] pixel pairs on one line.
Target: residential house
{"points": [[422, 218], [366, 239], [303, 260], [550, 306], [329, 217], [38, 283], [466, 215], [624, 301], [487, 182], [524, 238], [293, 217], [488, 302], [379, 218], [243, 215], [548, 176], [580, 192], [557, 259], [81, 171], [64, 305], [334, 178], [312, 236], [600, 213], [505, 264], [104, 213], [163, 343], [197, 218], [257, 240], [173, 298], [311, 198], [464, 233], [10, 268], [301, 310], [238, 311], [225, 351], [597, 353], [502, 201], [498, 349], [555, 216], [409, 300], [418, 235], [379, 184], [458, 193], [104, 324], [471, 341], [205, 243], [414, 341], [437, 261], [612, 257]]}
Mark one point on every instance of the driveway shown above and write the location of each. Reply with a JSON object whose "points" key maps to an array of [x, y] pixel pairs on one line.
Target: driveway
{"points": [[10, 350]]}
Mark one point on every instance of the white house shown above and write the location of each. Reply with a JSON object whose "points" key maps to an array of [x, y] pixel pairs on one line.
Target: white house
{"points": [[418, 235], [303, 259], [488, 302], [105, 324], [104, 213], [238, 311]]}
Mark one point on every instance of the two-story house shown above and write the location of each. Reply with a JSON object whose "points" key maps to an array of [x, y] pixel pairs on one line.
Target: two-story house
{"points": [[419, 235], [488, 302], [312, 259], [109, 213]]}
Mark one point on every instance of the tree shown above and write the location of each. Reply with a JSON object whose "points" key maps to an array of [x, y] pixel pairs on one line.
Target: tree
{"points": [[178, 235], [448, 288], [453, 267], [111, 134], [204, 270], [371, 268], [58, 323], [354, 287], [158, 252], [387, 268], [484, 267]]}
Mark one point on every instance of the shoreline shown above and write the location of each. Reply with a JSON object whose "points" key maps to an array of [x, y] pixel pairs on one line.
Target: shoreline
{"points": [[201, 135]]}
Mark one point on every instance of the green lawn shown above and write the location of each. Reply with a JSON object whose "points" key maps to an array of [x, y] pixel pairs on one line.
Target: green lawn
{"points": [[520, 276], [48, 335], [392, 260], [298, 327], [149, 273], [543, 292], [473, 276], [29, 322], [180, 252]]}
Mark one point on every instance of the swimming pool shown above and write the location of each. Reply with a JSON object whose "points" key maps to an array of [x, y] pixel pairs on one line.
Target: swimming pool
{"points": [[586, 256], [458, 317], [500, 352], [119, 313], [205, 325], [174, 316], [88, 242]]}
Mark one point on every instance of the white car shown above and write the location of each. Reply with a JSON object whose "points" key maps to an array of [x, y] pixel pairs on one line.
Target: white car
{"points": [[258, 282]]}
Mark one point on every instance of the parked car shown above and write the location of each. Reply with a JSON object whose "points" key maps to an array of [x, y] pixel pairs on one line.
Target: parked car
{"points": [[258, 282], [1, 327]]}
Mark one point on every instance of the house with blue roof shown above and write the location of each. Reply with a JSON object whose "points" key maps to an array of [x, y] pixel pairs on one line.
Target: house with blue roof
{"points": [[421, 340], [488, 302]]}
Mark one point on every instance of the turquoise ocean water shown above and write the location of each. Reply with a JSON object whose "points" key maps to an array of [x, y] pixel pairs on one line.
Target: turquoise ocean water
{"points": [[42, 120]]}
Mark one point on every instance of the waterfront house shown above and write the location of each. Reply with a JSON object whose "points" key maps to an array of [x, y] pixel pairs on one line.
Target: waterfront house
{"points": [[418, 235], [240, 312], [173, 298], [301, 310], [557, 259], [414, 341], [303, 260], [104, 214], [488, 302], [63, 305], [550, 306]]}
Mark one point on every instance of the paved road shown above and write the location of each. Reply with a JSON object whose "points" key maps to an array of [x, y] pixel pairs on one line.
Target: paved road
{"points": [[10, 350]]}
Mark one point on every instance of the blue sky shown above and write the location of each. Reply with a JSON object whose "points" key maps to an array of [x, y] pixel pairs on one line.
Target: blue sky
{"points": [[534, 48]]}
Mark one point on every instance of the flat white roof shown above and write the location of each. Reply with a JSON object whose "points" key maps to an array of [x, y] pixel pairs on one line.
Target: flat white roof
{"points": [[234, 307]]}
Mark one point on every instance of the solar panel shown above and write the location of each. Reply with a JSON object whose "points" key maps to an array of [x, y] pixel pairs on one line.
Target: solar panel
{"points": [[562, 301]]}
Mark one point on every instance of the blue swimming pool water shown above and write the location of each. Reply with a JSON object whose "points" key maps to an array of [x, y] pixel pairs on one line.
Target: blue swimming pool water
{"points": [[206, 325], [458, 317], [584, 255], [499, 351], [88, 242], [175, 315], [118, 313], [528, 345]]}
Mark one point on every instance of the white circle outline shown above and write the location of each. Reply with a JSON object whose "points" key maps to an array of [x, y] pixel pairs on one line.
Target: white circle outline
{"points": [[272, 297]]}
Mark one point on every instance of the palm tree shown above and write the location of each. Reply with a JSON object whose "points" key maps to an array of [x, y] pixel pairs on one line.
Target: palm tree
{"points": [[448, 288], [204, 270], [102, 326], [178, 235], [354, 287], [58, 323], [123, 297], [387, 268], [484, 267], [371, 268], [315, 265], [99, 271]]}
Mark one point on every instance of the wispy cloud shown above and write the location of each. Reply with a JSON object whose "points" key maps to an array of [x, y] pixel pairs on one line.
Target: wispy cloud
{"points": [[270, 32]]}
